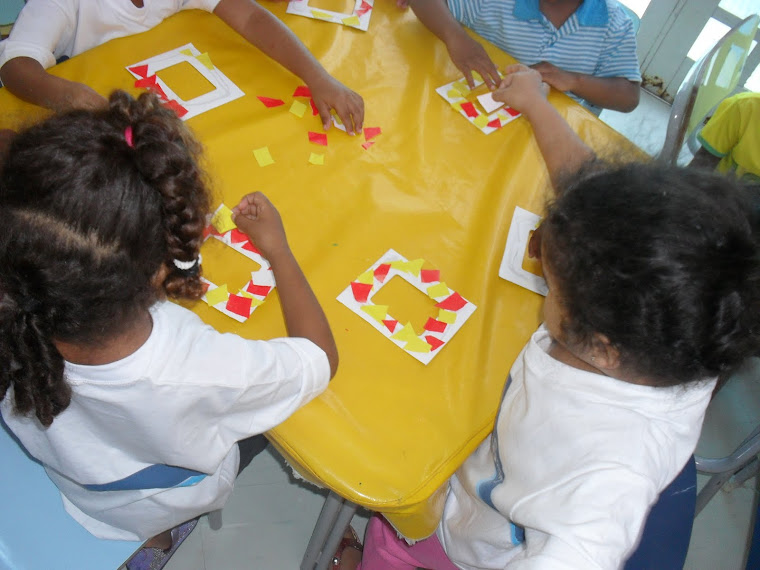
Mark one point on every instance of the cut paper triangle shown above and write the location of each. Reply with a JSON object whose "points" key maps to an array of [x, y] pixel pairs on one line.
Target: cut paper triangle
{"points": [[430, 275], [205, 60], [469, 109], [352, 21], [437, 290], [415, 266], [236, 236], [239, 305], [453, 94], [366, 145], [322, 15], [263, 157], [377, 312], [417, 345], [381, 271], [260, 290], [364, 8], [177, 108], [434, 342], [390, 324], [216, 296], [269, 102], [434, 325], [141, 70], [453, 302], [511, 111], [366, 277], [302, 91], [146, 82], [314, 110], [318, 138], [495, 124], [406, 334], [447, 317], [361, 291], [222, 220], [250, 247], [371, 132], [158, 91], [188, 52], [462, 87], [480, 121], [298, 109]]}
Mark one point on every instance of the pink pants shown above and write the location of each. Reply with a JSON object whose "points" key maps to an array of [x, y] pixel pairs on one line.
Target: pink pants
{"points": [[384, 550]]}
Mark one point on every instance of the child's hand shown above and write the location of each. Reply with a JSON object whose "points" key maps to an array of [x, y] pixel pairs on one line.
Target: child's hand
{"points": [[80, 96], [558, 78], [468, 55], [403, 4], [521, 87], [330, 93], [260, 221]]}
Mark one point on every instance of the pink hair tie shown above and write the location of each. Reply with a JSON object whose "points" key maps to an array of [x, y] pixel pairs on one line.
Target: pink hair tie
{"points": [[128, 136]]}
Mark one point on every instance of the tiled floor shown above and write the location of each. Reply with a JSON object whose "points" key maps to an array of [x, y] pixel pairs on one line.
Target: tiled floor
{"points": [[268, 520]]}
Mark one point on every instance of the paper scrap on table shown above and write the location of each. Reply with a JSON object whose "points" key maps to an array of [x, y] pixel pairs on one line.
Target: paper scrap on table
{"points": [[298, 109], [511, 269], [454, 310], [318, 138], [358, 18], [371, 132], [317, 159], [241, 305], [224, 90], [455, 93], [270, 102], [302, 91], [263, 157]]}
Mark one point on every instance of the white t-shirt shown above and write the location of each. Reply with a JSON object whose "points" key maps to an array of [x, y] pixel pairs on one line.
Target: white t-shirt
{"points": [[49, 29], [571, 470], [182, 399]]}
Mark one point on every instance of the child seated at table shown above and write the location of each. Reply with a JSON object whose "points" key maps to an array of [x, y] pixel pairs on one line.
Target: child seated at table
{"points": [[586, 48], [49, 29], [654, 290], [134, 406]]}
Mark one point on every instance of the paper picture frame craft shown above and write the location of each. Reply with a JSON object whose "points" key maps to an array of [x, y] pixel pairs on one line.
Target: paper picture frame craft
{"points": [[241, 305], [455, 94], [145, 73], [511, 269], [453, 309], [358, 19]]}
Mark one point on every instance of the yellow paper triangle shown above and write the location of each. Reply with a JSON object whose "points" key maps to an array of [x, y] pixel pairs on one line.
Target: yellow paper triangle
{"points": [[417, 345], [368, 277], [216, 296], [255, 301], [415, 266], [481, 121], [437, 290], [377, 312], [222, 220], [352, 21], [263, 156], [188, 52], [298, 109], [322, 15], [453, 94], [406, 334], [205, 60], [317, 159], [446, 316]]}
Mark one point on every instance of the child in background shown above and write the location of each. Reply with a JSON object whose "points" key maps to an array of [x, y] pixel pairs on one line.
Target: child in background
{"points": [[49, 29], [586, 48], [654, 290], [134, 406]]}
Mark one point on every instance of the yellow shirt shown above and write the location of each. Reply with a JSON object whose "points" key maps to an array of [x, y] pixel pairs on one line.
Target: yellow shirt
{"points": [[733, 134]]}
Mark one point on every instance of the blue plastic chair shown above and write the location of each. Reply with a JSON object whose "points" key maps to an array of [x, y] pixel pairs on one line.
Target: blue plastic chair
{"points": [[665, 540]]}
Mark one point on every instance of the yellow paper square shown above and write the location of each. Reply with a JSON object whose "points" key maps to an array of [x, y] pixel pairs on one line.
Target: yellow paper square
{"points": [[222, 220], [298, 109], [481, 121], [218, 295], [418, 345], [446, 316], [437, 290], [263, 157], [205, 60], [352, 21], [377, 312], [316, 158]]}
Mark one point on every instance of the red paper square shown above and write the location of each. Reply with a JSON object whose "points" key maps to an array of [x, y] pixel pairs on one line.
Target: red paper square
{"points": [[269, 102], [469, 109], [177, 108], [381, 271], [434, 325], [453, 302], [371, 132], [239, 305], [361, 291], [261, 290], [430, 275]]}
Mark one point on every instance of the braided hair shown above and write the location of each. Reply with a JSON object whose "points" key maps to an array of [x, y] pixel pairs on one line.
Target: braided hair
{"points": [[93, 204]]}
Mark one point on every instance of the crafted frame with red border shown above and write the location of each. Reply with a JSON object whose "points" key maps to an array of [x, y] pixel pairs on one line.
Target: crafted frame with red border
{"points": [[240, 306], [454, 310], [358, 19], [455, 94]]}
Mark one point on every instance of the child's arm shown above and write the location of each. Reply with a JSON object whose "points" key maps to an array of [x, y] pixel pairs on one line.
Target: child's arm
{"points": [[27, 79], [563, 151], [467, 54], [271, 36], [617, 93], [259, 219]]}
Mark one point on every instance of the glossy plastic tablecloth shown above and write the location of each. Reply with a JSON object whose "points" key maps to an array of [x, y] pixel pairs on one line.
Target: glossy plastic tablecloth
{"points": [[389, 431]]}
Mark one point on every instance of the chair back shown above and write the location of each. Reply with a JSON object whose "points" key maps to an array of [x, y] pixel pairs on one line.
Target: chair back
{"points": [[710, 80]]}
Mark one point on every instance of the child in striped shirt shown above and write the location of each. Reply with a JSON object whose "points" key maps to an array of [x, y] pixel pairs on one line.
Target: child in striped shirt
{"points": [[586, 48]]}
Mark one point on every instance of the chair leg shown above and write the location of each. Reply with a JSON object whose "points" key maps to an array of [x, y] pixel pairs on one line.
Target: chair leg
{"points": [[215, 519], [345, 515], [333, 520]]}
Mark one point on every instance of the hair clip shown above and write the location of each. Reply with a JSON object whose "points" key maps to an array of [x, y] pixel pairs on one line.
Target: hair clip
{"points": [[128, 136], [188, 266]]}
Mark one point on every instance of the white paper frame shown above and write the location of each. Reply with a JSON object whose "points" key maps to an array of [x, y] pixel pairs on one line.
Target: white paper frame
{"points": [[263, 276], [501, 113], [224, 90], [302, 8], [511, 269], [347, 298]]}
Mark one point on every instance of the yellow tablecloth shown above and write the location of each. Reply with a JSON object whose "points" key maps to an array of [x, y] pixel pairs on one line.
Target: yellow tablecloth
{"points": [[389, 431]]}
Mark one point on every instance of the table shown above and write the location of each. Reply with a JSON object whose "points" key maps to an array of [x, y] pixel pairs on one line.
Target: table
{"points": [[389, 431]]}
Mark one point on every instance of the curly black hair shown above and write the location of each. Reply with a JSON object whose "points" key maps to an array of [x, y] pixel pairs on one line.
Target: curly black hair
{"points": [[89, 218], [664, 261]]}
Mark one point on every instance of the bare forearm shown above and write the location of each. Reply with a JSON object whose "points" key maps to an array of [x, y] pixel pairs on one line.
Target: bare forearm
{"points": [[301, 309], [616, 93], [437, 17], [563, 151]]}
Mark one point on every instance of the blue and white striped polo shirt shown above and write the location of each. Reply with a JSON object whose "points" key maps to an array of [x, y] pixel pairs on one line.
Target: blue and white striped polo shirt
{"points": [[598, 39]]}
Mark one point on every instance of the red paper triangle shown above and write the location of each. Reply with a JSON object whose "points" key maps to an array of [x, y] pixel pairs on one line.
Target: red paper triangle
{"points": [[381, 271], [430, 275], [318, 138], [239, 305], [146, 82], [302, 91], [469, 109], [366, 145], [261, 290], [371, 132], [177, 108], [269, 102], [434, 325], [250, 247], [158, 91], [141, 70], [434, 342], [205, 287], [453, 302], [314, 110], [361, 291], [236, 236], [495, 124], [390, 324], [511, 111], [364, 8]]}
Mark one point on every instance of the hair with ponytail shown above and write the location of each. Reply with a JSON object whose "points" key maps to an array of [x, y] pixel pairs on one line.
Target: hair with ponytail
{"points": [[93, 204]]}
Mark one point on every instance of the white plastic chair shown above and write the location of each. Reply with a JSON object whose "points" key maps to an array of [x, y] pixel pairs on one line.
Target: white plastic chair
{"points": [[710, 80]]}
